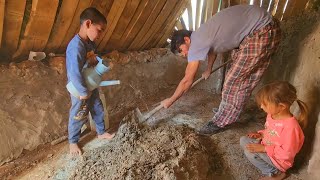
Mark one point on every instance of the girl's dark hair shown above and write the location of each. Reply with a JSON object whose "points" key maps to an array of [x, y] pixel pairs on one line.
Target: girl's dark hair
{"points": [[177, 39], [92, 14], [282, 92]]}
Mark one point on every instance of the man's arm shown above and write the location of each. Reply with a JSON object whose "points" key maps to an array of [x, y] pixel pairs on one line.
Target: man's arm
{"points": [[184, 84], [211, 59]]}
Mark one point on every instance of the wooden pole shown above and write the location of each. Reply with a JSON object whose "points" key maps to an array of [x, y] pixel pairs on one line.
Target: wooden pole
{"points": [[210, 8], [190, 19], [198, 11], [204, 11], [2, 5]]}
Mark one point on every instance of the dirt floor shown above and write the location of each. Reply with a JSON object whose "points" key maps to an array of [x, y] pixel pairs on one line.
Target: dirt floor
{"points": [[165, 147]]}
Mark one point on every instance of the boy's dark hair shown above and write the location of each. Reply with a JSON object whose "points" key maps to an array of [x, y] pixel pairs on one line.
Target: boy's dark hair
{"points": [[178, 38], [92, 14]]}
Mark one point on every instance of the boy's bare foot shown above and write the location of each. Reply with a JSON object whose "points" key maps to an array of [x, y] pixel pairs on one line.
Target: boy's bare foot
{"points": [[106, 136], [278, 176], [75, 150]]}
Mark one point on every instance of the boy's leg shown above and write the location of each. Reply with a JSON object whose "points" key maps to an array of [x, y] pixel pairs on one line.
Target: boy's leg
{"points": [[259, 160], [74, 125], [97, 113]]}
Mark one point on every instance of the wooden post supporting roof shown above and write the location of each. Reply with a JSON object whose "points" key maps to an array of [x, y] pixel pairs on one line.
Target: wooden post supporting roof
{"points": [[39, 26], [198, 12], [204, 12], [2, 4], [190, 18]]}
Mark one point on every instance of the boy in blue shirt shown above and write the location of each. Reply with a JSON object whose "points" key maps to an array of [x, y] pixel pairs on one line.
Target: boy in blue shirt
{"points": [[80, 54]]}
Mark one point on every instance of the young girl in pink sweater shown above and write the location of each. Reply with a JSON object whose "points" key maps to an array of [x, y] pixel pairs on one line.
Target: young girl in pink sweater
{"points": [[273, 149]]}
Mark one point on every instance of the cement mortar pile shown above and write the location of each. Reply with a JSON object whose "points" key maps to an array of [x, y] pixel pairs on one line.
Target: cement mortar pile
{"points": [[141, 152]]}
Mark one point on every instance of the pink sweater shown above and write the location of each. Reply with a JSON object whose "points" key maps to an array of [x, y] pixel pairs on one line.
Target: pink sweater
{"points": [[282, 139]]}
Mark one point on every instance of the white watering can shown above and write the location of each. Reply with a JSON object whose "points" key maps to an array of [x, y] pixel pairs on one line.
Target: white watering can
{"points": [[92, 78]]}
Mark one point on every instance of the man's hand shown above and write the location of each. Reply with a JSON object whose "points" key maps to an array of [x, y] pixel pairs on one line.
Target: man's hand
{"points": [[206, 74], [166, 103], [255, 148], [254, 135], [86, 97], [92, 61]]}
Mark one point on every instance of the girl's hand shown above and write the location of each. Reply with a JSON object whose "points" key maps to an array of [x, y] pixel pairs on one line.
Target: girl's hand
{"points": [[254, 135], [255, 148]]}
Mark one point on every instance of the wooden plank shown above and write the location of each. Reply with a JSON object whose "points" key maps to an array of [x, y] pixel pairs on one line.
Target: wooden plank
{"points": [[256, 2], [190, 19], [138, 22], [105, 108], [113, 18], [271, 5], [210, 9], [234, 2], [147, 25], [182, 21], [299, 6], [2, 5], [265, 4], [224, 4], [169, 29], [215, 7], [179, 25], [103, 6], [75, 24], [38, 29], [123, 23], [275, 7], [62, 24], [198, 12], [204, 12], [278, 14], [13, 18], [168, 25], [245, 2], [161, 19], [290, 6]]}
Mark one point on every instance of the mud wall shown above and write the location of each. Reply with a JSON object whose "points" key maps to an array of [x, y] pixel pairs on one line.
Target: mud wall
{"points": [[298, 61]]}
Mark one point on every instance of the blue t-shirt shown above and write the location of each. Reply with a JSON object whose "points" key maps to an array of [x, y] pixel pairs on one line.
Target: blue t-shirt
{"points": [[76, 57], [226, 29]]}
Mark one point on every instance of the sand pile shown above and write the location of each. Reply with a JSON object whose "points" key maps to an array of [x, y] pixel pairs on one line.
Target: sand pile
{"points": [[140, 152]]}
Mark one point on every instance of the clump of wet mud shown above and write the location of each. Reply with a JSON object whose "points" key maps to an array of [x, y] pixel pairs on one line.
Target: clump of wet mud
{"points": [[142, 152]]}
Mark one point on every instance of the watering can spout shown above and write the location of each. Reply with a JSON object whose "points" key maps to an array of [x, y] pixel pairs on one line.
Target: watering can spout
{"points": [[109, 83]]}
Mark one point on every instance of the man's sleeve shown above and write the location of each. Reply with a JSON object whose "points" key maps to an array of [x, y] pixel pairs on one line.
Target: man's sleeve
{"points": [[76, 58], [197, 53]]}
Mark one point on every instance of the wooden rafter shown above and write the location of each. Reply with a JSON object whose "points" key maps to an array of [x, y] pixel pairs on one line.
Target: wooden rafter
{"points": [[39, 26]]}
